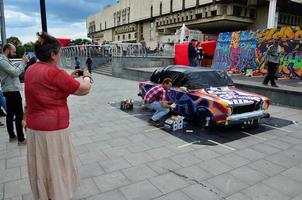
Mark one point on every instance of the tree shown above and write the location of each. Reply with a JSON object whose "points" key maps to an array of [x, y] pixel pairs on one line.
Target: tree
{"points": [[14, 40], [79, 41]]}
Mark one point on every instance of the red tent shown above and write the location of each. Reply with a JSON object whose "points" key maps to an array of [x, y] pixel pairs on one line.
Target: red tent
{"points": [[181, 53], [64, 41]]}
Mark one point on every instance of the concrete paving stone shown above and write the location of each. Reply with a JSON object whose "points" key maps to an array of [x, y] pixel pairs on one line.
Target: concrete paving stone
{"points": [[140, 191], [238, 196], [250, 154], [176, 149], [24, 172], [202, 192], [10, 153], [138, 147], [116, 142], [194, 172], [266, 167], [294, 173], [11, 174], [215, 166], [284, 185], [90, 170], [163, 165], [97, 146], [114, 164], [156, 142], [251, 140], [265, 148], [111, 181], [298, 147], [139, 173], [111, 195], [287, 159], [220, 149], [16, 162], [152, 132], [28, 196], [172, 139], [278, 144], [92, 157], [81, 140], [238, 144], [1, 191], [299, 197], [137, 138], [205, 154], [2, 147], [185, 159], [2, 164], [11, 191], [227, 184], [248, 175], [233, 160], [79, 149], [178, 195], [169, 182], [159, 153], [291, 140], [138, 158], [262, 192], [14, 198], [87, 188], [115, 152], [100, 137]]}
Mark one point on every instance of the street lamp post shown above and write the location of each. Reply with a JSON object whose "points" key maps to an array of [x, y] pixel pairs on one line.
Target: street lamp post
{"points": [[43, 15], [272, 14], [2, 21]]}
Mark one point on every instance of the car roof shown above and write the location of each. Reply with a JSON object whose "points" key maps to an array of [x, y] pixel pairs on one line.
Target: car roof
{"points": [[183, 68]]}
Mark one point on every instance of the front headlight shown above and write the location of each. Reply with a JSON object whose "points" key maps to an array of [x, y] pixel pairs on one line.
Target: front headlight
{"points": [[230, 111], [264, 105]]}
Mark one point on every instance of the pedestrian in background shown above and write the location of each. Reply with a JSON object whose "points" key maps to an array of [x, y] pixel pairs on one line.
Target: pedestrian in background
{"points": [[77, 63], [192, 53], [272, 56], [89, 64], [11, 87], [51, 161], [200, 55], [2, 106]]}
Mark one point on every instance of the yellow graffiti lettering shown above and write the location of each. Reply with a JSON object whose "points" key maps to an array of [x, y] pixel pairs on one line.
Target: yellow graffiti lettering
{"points": [[288, 33], [298, 35], [269, 34], [279, 34]]}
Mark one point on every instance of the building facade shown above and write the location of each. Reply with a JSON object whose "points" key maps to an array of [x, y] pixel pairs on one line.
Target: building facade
{"points": [[156, 21]]}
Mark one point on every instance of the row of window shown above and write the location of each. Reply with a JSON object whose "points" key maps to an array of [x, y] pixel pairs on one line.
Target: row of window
{"points": [[124, 37], [290, 19]]}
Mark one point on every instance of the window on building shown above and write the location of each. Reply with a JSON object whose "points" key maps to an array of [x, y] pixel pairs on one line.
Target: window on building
{"points": [[123, 36], [100, 26], [183, 4], [237, 10], [197, 3], [151, 11], [105, 25], [253, 13], [171, 6], [160, 8], [128, 14], [135, 35], [214, 13], [129, 36], [118, 38]]}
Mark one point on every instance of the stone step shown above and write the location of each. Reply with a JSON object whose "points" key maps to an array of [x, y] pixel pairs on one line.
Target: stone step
{"points": [[104, 70]]}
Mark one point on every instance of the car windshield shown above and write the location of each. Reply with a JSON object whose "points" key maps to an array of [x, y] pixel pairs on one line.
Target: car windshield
{"points": [[205, 79]]}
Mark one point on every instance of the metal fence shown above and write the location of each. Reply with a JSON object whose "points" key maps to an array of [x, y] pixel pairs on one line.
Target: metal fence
{"points": [[115, 50]]}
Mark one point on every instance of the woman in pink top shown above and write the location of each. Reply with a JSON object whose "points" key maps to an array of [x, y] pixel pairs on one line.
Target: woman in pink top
{"points": [[50, 156]]}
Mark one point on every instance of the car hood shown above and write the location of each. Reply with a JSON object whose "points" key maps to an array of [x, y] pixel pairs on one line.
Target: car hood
{"points": [[231, 95]]}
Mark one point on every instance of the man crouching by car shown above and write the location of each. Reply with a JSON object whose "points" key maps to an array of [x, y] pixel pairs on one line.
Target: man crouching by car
{"points": [[156, 99]]}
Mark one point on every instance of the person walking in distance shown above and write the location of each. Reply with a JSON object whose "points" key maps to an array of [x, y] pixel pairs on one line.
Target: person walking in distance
{"points": [[89, 64], [192, 53], [51, 161], [77, 63], [273, 58], [11, 87]]}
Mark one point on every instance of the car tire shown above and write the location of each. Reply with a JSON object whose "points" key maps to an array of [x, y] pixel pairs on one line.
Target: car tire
{"points": [[204, 118]]}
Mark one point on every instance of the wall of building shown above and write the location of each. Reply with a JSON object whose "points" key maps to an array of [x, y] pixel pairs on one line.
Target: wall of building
{"points": [[261, 19]]}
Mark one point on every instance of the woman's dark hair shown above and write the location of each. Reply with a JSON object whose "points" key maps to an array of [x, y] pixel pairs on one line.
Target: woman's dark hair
{"points": [[45, 45]]}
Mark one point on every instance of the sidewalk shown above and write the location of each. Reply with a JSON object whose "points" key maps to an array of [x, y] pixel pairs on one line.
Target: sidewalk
{"points": [[121, 157]]}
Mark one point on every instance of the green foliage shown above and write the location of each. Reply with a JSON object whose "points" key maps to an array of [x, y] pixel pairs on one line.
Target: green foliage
{"points": [[14, 40], [79, 41]]}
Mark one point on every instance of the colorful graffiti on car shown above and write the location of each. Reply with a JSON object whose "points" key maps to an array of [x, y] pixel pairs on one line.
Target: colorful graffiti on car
{"points": [[243, 51]]}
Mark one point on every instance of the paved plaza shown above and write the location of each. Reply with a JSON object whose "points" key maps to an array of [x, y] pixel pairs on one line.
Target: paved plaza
{"points": [[121, 157]]}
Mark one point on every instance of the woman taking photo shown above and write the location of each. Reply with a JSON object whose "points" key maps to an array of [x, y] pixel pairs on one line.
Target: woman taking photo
{"points": [[50, 156]]}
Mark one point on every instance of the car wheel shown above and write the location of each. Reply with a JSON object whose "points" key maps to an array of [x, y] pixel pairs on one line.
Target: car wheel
{"points": [[204, 118]]}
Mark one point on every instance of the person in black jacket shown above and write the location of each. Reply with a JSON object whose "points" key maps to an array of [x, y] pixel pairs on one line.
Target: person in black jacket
{"points": [[192, 53], [89, 64]]}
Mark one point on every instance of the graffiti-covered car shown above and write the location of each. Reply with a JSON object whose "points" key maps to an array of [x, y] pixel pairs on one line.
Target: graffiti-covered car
{"points": [[208, 96]]}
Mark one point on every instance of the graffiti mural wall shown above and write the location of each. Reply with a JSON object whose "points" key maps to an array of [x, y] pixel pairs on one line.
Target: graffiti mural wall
{"points": [[243, 51]]}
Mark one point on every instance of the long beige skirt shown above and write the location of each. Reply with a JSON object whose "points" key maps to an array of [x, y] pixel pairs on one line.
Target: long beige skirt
{"points": [[51, 164]]}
